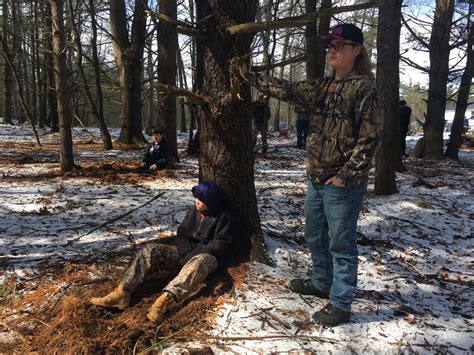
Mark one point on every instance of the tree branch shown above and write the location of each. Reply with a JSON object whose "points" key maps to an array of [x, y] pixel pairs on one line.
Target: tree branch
{"points": [[181, 27], [117, 218], [297, 59], [296, 21], [414, 65], [418, 38], [174, 90]]}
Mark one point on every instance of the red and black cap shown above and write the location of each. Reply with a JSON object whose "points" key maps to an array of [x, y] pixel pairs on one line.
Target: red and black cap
{"points": [[346, 31]]}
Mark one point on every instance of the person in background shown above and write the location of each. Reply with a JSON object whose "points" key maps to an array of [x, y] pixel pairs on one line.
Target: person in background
{"points": [[260, 113], [156, 154], [405, 113], [302, 127], [345, 131], [202, 242]]}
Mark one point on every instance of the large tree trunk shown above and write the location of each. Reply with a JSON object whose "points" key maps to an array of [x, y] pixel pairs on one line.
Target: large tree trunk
{"points": [[316, 61], [388, 82], [53, 118], [62, 87], [150, 72], [129, 59], [167, 48], [285, 50], [8, 79], [226, 154], [183, 84], [438, 76], [463, 96], [197, 61], [99, 106]]}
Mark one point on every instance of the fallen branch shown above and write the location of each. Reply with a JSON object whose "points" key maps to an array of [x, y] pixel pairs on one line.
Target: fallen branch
{"points": [[84, 126], [263, 337], [277, 319], [115, 219]]}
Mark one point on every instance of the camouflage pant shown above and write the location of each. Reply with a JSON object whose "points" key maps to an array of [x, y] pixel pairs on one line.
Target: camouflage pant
{"points": [[160, 259]]}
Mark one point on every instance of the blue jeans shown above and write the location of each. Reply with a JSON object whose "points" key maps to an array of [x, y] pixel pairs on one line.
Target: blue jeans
{"points": [[330, 231]]}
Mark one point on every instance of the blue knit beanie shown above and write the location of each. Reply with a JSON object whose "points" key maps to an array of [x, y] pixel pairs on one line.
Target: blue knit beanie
{"points": [[209, 193]]}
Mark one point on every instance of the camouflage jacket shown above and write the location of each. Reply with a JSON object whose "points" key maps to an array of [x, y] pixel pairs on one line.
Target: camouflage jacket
{"points": [[345, 125]]}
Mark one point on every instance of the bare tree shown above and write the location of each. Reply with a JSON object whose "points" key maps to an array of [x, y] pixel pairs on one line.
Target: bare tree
{"points": [[439, 71], [316, 60], [167, 48], [129, 58], [62, 87], [388, 82], [465, 86], [8, 80], [97, 110]]}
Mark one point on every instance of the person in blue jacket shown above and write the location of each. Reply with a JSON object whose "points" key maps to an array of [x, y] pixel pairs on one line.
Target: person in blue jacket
{"points": [[203, 241]]}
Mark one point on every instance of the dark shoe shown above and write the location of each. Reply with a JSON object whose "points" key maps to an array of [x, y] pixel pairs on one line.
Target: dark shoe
{"points": [[331, 316], [306, 287]]}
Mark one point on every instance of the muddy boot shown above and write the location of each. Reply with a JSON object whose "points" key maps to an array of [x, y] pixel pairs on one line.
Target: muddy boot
{"points": [[160, 307], [118, 298]]}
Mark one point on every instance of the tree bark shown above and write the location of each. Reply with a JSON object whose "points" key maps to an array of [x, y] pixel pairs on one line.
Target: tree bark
{"points": [[438, 77], [62, 87], [285, 50], [150, 71], [197, 61], [129, 59], [184, 85], [53, 118], [316, 60], [455, 139], [226, 154], [167, 48], [8, 80], [388, 82]]}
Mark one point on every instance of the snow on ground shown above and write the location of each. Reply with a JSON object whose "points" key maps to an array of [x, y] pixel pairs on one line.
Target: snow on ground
{"points": [[416, 247]]}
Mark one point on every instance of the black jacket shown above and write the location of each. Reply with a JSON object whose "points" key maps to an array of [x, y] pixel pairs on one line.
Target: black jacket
{"points": [[155, 152], [212, 234]]}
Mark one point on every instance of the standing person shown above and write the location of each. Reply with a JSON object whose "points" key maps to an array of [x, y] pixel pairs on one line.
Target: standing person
{"points": [[156, 154], [344, 133], [202, 242], [405, 113], [260, 113], [302, 127]]}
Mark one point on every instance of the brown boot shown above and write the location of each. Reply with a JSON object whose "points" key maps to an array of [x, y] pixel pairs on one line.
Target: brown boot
{"points": [[160, 307], [118, 298]]}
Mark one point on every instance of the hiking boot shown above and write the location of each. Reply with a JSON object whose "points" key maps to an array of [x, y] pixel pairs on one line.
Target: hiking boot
{"points": [[118, 298], [160, 307], [306, 287], [331, 316]]}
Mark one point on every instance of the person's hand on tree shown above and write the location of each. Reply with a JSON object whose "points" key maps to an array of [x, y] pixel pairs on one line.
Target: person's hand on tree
{"points": [[241, 65], [153, 167]]}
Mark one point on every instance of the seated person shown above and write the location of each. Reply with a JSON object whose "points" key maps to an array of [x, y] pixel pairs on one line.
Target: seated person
{"points": [[156, 154], [202, 242]]}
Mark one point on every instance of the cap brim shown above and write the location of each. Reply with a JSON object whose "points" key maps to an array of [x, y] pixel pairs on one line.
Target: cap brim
{"points": [[324, 40]]}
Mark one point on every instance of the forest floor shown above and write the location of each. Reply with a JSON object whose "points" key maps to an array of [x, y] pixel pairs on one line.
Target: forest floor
{"points": [[66, 237]]}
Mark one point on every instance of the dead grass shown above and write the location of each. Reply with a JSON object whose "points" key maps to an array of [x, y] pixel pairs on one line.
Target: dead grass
{"points": [[52, 313]]}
